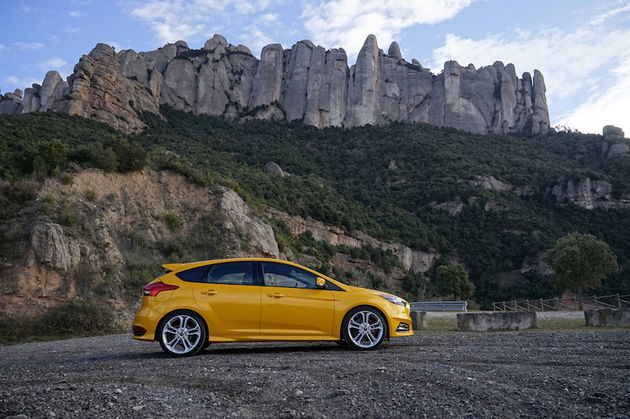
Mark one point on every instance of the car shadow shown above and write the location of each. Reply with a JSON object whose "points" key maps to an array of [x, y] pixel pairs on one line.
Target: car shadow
{"points": [[228, 349]]}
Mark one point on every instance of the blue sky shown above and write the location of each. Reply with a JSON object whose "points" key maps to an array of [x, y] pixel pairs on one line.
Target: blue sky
{"points": [[582, 47]]}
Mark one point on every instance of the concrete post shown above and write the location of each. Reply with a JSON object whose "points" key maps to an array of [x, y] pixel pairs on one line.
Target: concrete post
{"points": [[419, 319]]}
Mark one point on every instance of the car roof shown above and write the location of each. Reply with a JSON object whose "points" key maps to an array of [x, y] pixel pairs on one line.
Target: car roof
{"points": [[178, 266]]}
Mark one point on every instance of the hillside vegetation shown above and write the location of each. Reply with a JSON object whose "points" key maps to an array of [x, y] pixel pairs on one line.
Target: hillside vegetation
{"points": [[386, 181]]}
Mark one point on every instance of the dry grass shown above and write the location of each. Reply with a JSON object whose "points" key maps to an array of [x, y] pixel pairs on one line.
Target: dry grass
{"points": [[447, 322]]}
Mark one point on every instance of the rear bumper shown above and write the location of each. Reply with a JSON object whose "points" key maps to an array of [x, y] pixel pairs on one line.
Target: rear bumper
{"points": [[147, 320]]}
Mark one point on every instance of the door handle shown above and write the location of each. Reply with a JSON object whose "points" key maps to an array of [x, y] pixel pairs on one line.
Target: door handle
{"points": [[275, 295], [209, 292]]}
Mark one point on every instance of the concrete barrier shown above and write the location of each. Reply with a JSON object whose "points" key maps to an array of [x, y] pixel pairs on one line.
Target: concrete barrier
{"points": [[608, 317], [483, 322], [419, 319]]}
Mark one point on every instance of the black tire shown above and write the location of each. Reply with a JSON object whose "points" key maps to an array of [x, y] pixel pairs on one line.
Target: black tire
{"points": [[183, 333], [364, 329]]}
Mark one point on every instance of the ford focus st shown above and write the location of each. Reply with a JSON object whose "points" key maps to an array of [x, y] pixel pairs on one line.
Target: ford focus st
{"points": [[262, 300]]}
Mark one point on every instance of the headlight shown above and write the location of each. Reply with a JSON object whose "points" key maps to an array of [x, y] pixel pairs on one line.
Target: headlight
{"points": [[393, 299]]}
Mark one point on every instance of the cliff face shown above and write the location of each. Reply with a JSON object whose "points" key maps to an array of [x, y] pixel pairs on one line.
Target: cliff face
{"points": [[104, 235], [304, 83]]}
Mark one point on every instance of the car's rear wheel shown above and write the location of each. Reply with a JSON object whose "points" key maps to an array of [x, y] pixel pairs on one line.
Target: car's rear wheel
{"points": [[183, 334], [364, 328]]}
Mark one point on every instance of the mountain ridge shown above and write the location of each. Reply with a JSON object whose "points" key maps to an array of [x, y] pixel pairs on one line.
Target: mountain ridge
{"points": [[304, 83]]}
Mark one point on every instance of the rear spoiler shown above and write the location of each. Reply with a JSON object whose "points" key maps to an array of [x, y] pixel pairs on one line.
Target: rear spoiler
{"points": [[173, 266]]}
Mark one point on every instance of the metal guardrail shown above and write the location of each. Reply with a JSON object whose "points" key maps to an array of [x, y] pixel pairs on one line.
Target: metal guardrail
{"points": [[565, 304], [440, 305]]}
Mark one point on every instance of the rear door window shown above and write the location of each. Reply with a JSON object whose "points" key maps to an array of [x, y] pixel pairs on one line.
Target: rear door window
{"points": [[231, 273]]}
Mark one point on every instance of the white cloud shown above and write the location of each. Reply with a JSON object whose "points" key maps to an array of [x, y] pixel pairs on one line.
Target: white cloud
{"points": [[19, 83], [28, 9], [256, 39], [610, 107], [75, 13], [268, 18], [601, 18], [172, 20], [116, 45], [264, 30], [346, 23], [28, 46], [54, 63]]}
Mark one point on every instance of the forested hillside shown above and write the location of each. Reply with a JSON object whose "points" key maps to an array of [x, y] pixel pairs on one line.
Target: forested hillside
{"points": [[491, 202]]}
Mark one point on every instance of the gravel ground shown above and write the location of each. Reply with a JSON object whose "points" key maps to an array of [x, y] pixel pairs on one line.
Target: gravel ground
{"points": [[540, 374]]}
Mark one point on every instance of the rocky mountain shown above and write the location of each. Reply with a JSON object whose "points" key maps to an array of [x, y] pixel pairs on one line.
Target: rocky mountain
{"points": [[303, 83]]}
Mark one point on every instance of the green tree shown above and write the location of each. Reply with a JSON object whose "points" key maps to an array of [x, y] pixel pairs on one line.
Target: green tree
{"points": [[581, 261], [453, 280], [51, 157]]}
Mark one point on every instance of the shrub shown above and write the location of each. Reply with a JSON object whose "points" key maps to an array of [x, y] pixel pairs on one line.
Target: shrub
{"points": [[66, 179], [90, 195], [84, 279], [77, 318], [140, 270], [98, 156], [68, 215], [173, 222]]}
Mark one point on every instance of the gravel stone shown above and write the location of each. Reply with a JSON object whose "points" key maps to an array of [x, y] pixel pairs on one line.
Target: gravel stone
{"points": [[450, 374]]}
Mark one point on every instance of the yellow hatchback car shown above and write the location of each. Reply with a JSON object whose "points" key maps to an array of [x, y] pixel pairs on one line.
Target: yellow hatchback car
{"points": [[263, 300]]}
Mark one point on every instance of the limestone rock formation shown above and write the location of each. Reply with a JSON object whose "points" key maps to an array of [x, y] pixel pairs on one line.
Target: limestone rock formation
{"points": [[52, 91], [452, 207], [267, 82], [11, 102], [416, 261], [53, 248], [589, 194], [239, 217], [394, 50], [275, 169], [619, 149], [98, 90], [490, 183], [304, 83], [611, 132]]}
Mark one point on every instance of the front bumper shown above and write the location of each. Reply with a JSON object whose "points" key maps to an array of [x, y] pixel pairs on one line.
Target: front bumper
{"points": [[400, 321]]}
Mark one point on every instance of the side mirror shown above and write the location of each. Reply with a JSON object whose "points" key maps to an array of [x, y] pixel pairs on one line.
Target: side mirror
{"points": [[321, 283]]}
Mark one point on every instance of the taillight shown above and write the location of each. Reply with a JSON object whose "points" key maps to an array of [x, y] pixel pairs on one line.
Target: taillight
{"points": [[154, 289]]}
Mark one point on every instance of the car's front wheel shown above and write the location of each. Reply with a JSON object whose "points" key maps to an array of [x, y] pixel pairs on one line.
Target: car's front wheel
{"points": [[364, 328], [183, 334]]}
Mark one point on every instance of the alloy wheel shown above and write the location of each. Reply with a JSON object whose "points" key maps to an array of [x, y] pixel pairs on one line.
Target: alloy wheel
{"points": [[365, 329], [181, 334]]}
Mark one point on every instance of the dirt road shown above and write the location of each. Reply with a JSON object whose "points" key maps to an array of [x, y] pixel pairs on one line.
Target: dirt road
{"points": [[561, 374]]}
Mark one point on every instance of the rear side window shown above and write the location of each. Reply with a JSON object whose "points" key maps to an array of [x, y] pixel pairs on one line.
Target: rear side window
{"points": [[193, 275], [231, 273]]}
